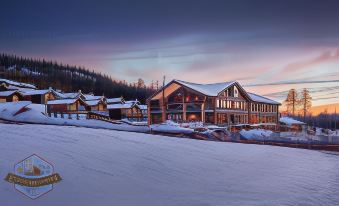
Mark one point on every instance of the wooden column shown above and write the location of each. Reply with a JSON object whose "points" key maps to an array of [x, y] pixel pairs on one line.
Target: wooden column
{"points": [[149, 113], [215, 111]]}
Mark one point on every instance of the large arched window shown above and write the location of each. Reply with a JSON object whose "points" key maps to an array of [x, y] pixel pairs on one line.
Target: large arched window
{"points": [[236, 92]]}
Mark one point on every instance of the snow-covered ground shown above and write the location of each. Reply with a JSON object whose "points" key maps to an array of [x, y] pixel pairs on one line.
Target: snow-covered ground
{"points": [[33, 113], [106, 167]]}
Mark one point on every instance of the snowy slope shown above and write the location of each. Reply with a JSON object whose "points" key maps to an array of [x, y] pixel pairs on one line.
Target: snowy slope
{"points": [[105, 167], [34, 114]]}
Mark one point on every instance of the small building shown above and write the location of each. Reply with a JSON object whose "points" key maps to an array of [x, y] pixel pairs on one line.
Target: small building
{"points": [[124, 111], [76, 105], [97, 105], [39, 96], [11, 96], [290, 124]]}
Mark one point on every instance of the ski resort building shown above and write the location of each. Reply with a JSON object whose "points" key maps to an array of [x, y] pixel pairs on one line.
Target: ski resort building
{"points": [[221, 103]]}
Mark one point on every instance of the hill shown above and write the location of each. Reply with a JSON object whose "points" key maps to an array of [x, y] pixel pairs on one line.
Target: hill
{"points": [[45, 74], [101, 167]]}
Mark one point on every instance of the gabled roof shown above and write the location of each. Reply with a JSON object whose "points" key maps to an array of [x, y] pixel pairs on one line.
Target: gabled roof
{"points": [[120, 106], [19, 84], [8, 93], [207, 89], [63, 101], [115, 100], [261, 99], [90, 97], [93, 102], [35, 92]]}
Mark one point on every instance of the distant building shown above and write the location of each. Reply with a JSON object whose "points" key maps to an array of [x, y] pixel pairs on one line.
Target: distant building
{"points": [[221, 103], [76, 105], [10, 96], [39, 96], [128, 110]]}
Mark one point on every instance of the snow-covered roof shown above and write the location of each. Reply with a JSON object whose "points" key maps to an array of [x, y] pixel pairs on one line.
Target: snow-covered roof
{"points": [[132, 102], [92, 97], [290, 121], [35, 92], [120, 106], [62, 101], [114, 100], [258, 98], [19, 84], [70, 95], [93, 102], [207, 89], [143, 106], [7, 93]]}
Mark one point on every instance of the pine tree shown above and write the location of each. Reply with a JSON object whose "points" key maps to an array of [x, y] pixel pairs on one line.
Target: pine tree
{"points": [[292, 102], [305, 101]]}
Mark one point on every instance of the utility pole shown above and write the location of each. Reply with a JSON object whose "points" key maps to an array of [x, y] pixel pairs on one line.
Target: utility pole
{"points": [[335, 120], [163, 100]]}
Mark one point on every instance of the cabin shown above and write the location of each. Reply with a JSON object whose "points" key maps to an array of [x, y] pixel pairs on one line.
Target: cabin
{"points": [[11, 96], [39, 96], [97, 105], [127, 110], [76, 105], [223, 104], [6, 85]]}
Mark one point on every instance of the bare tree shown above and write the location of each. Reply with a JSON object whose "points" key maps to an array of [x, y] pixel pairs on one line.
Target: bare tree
{"points": [[305, 101], [292, 101]]}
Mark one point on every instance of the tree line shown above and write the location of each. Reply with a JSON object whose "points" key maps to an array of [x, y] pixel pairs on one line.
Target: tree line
{"points": [[45, 74], [297, 106]]}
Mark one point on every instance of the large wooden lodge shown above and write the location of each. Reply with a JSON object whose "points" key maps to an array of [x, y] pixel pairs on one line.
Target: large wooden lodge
{"points": [[221, 103]]}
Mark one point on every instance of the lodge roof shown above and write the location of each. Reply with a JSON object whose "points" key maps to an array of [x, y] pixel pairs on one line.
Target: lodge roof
{"points": [[207, 89], [258, 98], [215, 89]]}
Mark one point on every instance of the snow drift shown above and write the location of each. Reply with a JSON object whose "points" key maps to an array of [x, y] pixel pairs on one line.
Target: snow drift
{"points": [[107, 167]]}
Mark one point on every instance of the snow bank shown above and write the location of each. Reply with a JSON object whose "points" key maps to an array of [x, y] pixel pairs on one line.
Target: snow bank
{"points": [[171, 127], [257, 134], [34, 113], [290, 121], [106, 167]]}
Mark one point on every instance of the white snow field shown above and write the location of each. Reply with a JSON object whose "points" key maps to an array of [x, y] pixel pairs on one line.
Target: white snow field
{"points": [[103, 167]]}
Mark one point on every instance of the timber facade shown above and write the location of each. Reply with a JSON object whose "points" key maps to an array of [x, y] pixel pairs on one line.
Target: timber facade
{"points": [[221, 104]]}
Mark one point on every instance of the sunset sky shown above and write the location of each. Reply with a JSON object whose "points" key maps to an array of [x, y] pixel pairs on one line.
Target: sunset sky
{"points": [[268, 46]]}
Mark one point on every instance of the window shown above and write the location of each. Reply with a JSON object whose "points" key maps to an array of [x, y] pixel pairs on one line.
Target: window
{"points": [[236, 92]]}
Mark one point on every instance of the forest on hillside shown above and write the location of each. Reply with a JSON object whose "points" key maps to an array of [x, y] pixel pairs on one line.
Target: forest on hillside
{"points": [[45, 74]]}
